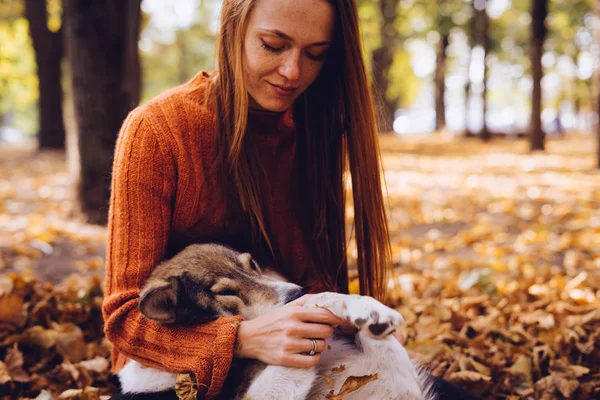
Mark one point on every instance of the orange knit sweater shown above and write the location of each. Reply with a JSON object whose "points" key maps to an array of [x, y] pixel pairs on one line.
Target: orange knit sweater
{"points": [[164, 198]]}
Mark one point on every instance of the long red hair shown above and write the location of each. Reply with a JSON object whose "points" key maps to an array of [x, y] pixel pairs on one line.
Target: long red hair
{"points": [[337, 134]]}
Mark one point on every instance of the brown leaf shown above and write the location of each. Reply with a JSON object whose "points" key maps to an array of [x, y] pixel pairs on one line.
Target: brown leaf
{"points": [[579, 370], [468, 377], [427, 350], [352, 384], [580, 320], [4, 374], [44, 395], [14, 363], [481, 368], [521, 372], [70, 369], [328, 380], [6, 285], [39, 337], [98, 364], [340, 368], [89, 393], [11, 310], [185, 387], [70, 342], [565, 385]]}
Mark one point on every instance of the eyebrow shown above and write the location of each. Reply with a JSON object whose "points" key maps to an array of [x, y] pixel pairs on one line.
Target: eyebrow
{"points": [[286, 37]]}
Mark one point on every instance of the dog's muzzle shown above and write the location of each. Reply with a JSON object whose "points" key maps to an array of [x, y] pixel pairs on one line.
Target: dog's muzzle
{"points": [[295, 294]]}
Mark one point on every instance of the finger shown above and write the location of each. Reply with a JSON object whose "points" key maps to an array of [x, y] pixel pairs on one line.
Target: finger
{"points": [[320, 316], [302, 361], [300, 301], [320, 345], [305, 346], [312, 330]]}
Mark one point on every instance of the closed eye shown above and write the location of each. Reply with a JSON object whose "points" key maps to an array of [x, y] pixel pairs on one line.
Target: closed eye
{"points": [[317, 57], [227, 292], [271, 48], [255, 266]]}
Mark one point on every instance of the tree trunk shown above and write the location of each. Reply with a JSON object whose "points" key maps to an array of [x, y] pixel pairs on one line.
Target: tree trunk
{"points": [[596, 98], [48, 48], [382, 60], [467, 132], [485, 42], [440, 83], [480, 33], [102, 39], [539, 11]]}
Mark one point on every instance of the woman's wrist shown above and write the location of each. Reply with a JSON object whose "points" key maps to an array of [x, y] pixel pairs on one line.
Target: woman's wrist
{"points": [[239, 349]]}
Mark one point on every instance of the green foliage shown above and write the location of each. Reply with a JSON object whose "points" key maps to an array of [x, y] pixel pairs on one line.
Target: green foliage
{"points": [[404, 84], [369, 28], [171, 58], [423, 16], [18, 78]]}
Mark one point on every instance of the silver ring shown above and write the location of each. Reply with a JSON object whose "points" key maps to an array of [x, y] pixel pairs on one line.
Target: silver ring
{"points": [[313, 342]]}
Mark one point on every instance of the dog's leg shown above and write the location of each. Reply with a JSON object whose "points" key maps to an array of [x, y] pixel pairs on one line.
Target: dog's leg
{"points": [[277, 383], [368, 315]]}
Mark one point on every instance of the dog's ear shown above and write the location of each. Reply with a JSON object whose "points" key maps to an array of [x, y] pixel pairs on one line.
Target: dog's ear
{"points": [[249, 264], [159, 301]]}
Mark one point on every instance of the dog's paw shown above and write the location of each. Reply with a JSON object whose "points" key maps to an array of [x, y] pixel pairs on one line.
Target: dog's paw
{"points": [[372, 318]]}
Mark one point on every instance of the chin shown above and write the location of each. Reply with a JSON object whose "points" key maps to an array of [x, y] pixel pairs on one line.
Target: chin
{"points": [[275, 106]]}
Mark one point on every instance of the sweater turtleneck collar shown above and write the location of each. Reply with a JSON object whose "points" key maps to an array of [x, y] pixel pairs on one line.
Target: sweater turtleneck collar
{"points": [[269, 123]]}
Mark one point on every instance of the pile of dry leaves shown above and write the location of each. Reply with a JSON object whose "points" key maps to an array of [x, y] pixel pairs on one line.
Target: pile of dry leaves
{"points": [[51, 340], [497, 254]]}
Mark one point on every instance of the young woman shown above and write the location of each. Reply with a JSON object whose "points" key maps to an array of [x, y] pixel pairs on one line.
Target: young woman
{"points": [[256, 156]]}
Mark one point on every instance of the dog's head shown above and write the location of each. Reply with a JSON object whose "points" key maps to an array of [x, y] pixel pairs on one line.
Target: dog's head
{"points": [[206, 281]]}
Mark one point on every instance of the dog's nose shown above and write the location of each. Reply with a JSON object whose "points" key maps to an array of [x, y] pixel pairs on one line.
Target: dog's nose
{"points": [[296, 293]]}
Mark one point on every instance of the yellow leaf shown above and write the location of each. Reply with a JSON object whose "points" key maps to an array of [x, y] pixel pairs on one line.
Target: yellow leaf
{"points": [[185, 387], [352, 384], [11, 310], [328, 380]]}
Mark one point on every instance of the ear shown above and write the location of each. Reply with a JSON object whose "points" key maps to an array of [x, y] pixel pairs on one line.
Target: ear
{"points": [[249, 264], [159, 301]]}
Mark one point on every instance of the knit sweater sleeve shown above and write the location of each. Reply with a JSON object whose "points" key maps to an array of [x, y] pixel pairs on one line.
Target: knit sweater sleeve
{"points": [[143, 190]]}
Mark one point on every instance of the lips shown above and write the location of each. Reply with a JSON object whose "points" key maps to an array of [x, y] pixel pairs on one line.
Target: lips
{"points": [[284, 91], [286, 88]]}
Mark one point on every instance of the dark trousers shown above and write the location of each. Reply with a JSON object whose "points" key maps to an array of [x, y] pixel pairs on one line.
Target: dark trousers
{"points": [[444, 390]]}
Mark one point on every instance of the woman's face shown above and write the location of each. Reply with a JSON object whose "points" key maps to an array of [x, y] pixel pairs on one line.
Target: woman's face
{"points": [[284, 50]]}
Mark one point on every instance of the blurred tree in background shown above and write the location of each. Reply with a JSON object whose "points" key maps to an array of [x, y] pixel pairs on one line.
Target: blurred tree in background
{"points": [[47, 37], [102, 46], [382, 61], [479, 36], [539, 12]]}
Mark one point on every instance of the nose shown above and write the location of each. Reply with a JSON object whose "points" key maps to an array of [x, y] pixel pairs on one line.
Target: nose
{"points": [[290, 68], [295, 293]]}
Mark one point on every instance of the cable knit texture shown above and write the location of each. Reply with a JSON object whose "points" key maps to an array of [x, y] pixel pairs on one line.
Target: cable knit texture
{"points": [[164, 197]]}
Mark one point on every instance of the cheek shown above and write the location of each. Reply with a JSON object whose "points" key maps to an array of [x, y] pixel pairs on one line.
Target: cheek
{"points": [[256, 62], [312, 72]]}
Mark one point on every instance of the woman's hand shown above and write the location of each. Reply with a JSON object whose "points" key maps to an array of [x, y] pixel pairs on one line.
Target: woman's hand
{"points": [[282, 336]]}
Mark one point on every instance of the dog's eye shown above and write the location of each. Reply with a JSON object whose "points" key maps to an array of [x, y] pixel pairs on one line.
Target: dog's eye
{"points": [[226, 292], [255, 266]]}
